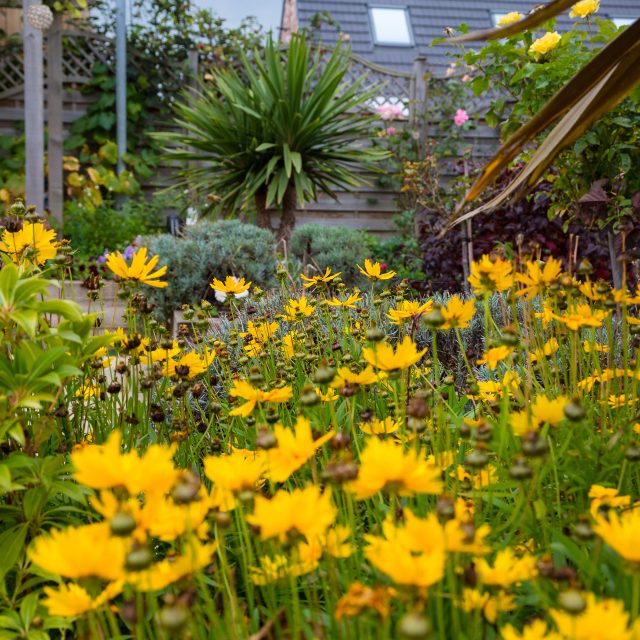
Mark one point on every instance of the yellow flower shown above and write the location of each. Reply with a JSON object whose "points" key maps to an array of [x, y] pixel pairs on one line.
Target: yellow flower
{"points": [[105, 467], [373, 271], [380, 427], [189, 365], [305, 512], [621, 533], [489, 275], [604, 620], [546, 43], [33, 244], [346, 377], [548, 349], [495, 355], [382, 356], [195, 557], [457, 314], [584, 8], [409, 310], [360, 597], [243, 389], [594, 347], [81, 552], [297, 562], [295, 448], [508, 569], [347, 303], [537, 279], [314, 281], [473, 600], [386, 465], [233, 473], [163, 354], [510, 18], [581, 316], [259, 335], [298, 309], [537, 630], [70, 600], [413, 554], [140, 270], [606, 497], [463, 537], [231, 286], [551, 411]]}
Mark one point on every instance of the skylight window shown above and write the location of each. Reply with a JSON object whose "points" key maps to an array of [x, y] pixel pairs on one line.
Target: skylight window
{"points": [[391, 26]]}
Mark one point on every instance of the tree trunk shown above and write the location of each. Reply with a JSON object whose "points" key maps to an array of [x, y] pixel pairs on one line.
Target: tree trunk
{"points": [[288, 217], [263, 218]]}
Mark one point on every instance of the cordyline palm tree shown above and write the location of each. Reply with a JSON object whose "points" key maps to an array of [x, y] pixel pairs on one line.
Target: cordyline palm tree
{"points": [[606, 80], [285, 129]]}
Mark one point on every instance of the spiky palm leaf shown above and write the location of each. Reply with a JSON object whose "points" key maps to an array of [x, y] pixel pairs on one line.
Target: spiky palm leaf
{"points": [[598, 87]]}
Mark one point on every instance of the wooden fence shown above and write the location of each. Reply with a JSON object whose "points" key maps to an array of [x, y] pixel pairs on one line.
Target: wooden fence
{"points": [[71, 55]]}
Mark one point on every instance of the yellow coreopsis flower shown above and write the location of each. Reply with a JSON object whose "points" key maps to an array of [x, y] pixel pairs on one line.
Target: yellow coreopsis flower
{"points": [[348, 303], [584, 8], [491, 606], [234, 473], [297, 562], [546, 43], [195, 557], [71, 600], [495, 355], [537, 278], [382, 355], [605, 620], [580, 316], [463, 537], [606, 497], [314, 281], [510, 18], [489, 275], [88, 551], [548, 349], [409, 310], [106, 467], [537, 630], [259, 335], [457, 314], [373, 271], [378, 427], [345, 376], [360, 597], [306, 512], [549, 410], [237, 287], [413, 554], [243, 389], [140, 270], [298, 309], [385, 465], [294, 449], [32, 244], [621, 533], [189, 365], [507, 569]]}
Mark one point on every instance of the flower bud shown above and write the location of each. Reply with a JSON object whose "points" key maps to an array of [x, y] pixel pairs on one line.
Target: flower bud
{"points": [[415, 625], [122, 524], [572, 602]]}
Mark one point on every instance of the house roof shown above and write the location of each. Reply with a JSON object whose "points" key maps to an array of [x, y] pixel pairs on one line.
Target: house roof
{"points": [[428, 20]]}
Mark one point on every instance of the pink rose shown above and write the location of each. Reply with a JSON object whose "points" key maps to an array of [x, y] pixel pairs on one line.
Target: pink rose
{"points": [[460, 118]]}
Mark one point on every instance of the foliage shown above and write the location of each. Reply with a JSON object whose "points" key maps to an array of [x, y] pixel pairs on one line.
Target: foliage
{"points": [[112, 226], [288, 129], [355, 471], [320, 246], [12, 162], [206, 250], [599, 134]]}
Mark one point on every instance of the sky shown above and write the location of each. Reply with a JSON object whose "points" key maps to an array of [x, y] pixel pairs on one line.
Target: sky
{"points": [[233, 11]]}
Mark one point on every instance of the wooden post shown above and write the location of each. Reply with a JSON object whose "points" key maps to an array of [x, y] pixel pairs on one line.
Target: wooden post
{"points": [[121, 81], [33, 110], [419, 87], [54, 112]]}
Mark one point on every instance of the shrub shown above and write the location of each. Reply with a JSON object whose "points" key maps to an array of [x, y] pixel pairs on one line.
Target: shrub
{"points": [[207, 250], [340, 248], [111, 227]]}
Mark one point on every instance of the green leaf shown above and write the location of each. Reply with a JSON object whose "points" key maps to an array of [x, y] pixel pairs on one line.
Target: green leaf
{"points": [[11, 546]]}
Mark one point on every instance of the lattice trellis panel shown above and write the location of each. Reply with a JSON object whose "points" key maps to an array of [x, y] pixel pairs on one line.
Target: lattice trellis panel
{"points": [[81, 51], [11, 72]]}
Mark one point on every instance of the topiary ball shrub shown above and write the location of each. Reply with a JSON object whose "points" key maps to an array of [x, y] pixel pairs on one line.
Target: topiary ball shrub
{"points": [[210, 250], [340, 248]]}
